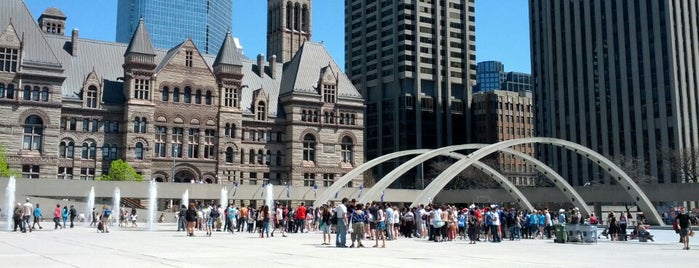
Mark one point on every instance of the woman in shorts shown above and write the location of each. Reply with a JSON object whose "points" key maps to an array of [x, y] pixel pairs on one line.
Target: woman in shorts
{"points": [[325, 224]]}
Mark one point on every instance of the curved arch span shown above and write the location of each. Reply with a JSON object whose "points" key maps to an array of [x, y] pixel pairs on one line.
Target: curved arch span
{"points": [[622, 178], [359, 170], [552, 175]]}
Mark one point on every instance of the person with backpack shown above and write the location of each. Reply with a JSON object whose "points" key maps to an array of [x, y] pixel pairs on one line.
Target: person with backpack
{"points": [[37, 216], [461, 223], [106, 212], [191, 218]]}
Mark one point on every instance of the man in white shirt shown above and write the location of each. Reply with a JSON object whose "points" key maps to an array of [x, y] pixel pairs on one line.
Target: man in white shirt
{"points": [[422, 228], [389, 222], [495, 228], [341, 232], [27, 211]]}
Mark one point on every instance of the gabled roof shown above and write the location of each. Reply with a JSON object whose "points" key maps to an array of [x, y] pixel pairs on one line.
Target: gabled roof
{"points": [[175, 50], [9, 37], [229, 53], [140, 41], [302, 73], [35, 51]]}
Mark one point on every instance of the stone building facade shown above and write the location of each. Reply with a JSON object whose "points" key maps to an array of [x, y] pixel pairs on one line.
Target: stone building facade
{"points": [[72, 105]]}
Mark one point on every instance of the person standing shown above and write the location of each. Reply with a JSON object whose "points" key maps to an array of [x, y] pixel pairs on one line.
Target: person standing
{"points": [[300, 218], [685, 225], [358, 218], [95, 216], [64, 215], [73, 214], [191, 218], [57, 217], [181, 222], [27, 211], [104, 219], [341, 232], [37, 217], [17, 218]]}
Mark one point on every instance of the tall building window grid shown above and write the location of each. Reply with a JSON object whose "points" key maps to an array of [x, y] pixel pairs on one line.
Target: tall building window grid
{"points": [[309, 148], [329, 93], [209, 139], [176, 140], [31, 171], [141, 89], [160, 141], [347, 150], [91, 97], [193, 143], [32, 139], [9, 59]]}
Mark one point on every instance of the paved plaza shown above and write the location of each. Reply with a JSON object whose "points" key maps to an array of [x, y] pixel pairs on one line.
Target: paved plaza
{"points": [[136, 247]]}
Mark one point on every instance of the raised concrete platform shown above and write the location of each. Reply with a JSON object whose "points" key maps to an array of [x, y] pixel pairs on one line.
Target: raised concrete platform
{"points": [[135, 247]]}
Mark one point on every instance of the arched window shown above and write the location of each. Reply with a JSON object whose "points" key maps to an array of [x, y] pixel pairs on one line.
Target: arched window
{"points": [[268, 158], [35, 93], [89, 150], [91, 98], [2, 91], [297, 15], [242, 156], [45, 94], [166, 94], [233, 130], [209, 98], [27, 93], [279, 158], [347, 150], [136, 125], [304, 18], [304, 115], [176, 95], [187, 95], [105, 151], [10, 92], [229, 155], [144, 125], [33, 133], [197, 97], [251, 157], [261, 111], [227, 130], [309, 148], [65, 149], [139, 151], [289, 20], [260, 157]]}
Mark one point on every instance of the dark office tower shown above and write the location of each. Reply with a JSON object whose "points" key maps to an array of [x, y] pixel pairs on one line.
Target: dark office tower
{"points": [[415, 63], [619, 77], [288, 26], [172, 21]]}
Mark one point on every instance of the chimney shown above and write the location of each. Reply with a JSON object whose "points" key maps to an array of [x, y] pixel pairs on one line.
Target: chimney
{"points": [[261, 65], [273, 66], [74, 43]]}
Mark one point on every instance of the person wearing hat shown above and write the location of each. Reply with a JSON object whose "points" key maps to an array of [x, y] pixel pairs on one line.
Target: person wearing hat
{"points": [[27, 211]]}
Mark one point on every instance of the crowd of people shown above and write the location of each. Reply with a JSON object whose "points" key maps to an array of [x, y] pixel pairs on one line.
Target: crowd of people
{"points": [[377, 221]]}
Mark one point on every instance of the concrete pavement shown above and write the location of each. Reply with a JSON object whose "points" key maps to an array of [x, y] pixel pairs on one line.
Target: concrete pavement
{"points": [[134, 247]]}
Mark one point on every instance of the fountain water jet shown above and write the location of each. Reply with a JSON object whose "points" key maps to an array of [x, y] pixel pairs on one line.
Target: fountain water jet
{"points": [[269, 198], [116, 206], [185, 198], [152, 204], [224, 198], [90, 203], [10, 198]]}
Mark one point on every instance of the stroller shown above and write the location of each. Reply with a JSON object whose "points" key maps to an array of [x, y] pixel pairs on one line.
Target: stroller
{"points": [[604, 233]]}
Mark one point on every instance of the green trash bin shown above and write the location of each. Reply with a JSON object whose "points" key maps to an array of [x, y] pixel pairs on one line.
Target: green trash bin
{"points": [[561, 233]]}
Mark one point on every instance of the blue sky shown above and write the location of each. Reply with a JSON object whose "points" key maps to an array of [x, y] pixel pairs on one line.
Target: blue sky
{"points": [[502, 26]]}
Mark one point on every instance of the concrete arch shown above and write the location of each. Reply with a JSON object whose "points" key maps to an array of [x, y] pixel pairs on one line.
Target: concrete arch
{"points": [[561, 183], [624, 180], [329, 192]]}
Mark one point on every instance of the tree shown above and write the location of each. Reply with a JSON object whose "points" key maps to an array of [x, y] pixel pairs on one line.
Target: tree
{"points": [[4, 169], [121, 171], [684, 164], [470, 178], [634, 167]]}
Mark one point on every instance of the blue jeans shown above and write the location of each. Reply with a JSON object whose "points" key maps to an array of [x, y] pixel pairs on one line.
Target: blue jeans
{"points": [[341, 234]]}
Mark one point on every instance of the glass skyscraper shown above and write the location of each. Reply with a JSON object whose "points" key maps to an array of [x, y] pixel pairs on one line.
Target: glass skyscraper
{"points": [[170, 22]]}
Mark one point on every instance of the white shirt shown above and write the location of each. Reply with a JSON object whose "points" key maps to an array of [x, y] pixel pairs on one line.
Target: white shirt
{"points": [[420, 213], [396, 217], [496, 218], [279, 213], [341, 212]]}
